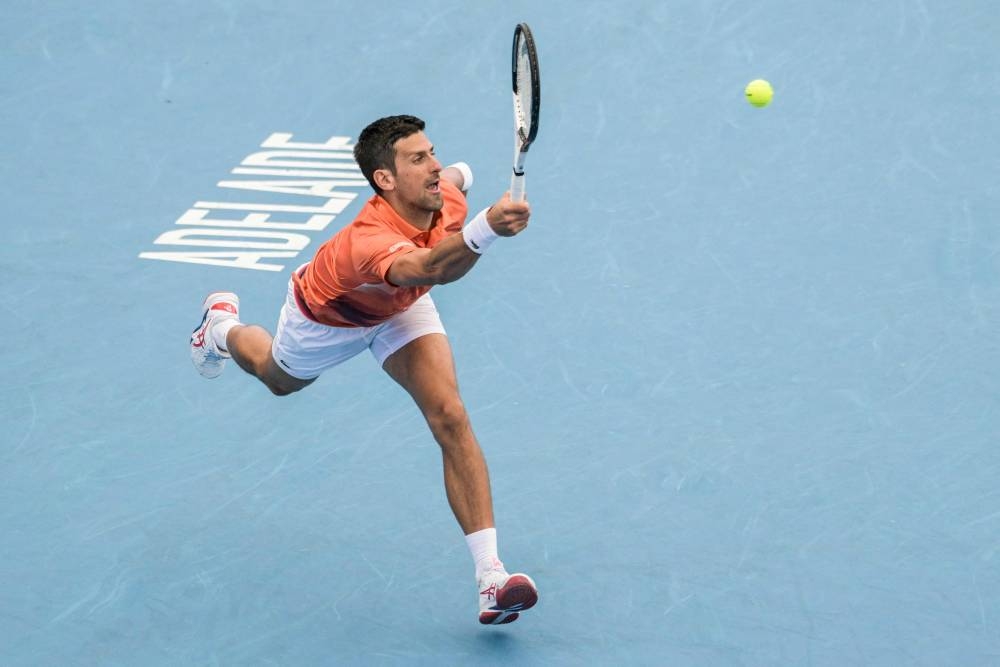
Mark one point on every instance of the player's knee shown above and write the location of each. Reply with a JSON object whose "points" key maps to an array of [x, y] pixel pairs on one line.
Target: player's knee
{"points": [[448, 418], [281, 390], [278, 381]]}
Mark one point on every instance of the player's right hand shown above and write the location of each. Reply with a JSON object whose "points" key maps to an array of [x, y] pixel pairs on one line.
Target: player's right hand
{"points": [[507, 217]]}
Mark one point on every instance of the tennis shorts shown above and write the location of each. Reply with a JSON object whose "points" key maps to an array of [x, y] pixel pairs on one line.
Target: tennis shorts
{"points": [[304, 349]]}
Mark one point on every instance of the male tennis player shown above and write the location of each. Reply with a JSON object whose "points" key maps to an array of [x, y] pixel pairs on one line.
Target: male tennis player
{"points": [[367, 288]]}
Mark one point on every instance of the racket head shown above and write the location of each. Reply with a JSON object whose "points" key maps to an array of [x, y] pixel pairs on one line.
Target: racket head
{"points": [[527, 85]]}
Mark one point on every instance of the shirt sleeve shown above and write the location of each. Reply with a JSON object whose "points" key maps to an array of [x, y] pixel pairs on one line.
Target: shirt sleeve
{"points": [[373, 251]]}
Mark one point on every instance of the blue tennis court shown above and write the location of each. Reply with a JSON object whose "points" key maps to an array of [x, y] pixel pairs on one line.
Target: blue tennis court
{"points": [[738, 384]]}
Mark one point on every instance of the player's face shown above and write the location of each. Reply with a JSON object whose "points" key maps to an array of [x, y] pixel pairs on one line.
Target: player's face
{"points": [[418, 173]]}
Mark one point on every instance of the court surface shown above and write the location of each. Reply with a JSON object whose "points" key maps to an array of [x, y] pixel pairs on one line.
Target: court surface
{"points": [[737, 384]]}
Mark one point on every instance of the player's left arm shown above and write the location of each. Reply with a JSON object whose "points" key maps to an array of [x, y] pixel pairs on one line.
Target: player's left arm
{"points": [[459, 175], [453, 257]]}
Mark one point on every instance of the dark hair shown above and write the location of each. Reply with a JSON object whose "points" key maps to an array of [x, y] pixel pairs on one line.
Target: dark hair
{"points": [[376, 145]]}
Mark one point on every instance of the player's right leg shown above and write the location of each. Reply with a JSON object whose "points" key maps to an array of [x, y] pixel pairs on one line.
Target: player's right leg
{"points": [[251, 348], [222, 336], [300, 351]]}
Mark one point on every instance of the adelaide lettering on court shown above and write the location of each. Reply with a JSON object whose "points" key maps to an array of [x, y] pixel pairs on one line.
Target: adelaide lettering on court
{"points": [[321, 180]]}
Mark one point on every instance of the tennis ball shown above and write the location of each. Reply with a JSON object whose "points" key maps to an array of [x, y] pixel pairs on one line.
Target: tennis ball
{"points": [[759, 93]]}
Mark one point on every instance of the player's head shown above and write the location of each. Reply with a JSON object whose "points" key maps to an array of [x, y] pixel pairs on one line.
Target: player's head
{"points": [[376, 147]]}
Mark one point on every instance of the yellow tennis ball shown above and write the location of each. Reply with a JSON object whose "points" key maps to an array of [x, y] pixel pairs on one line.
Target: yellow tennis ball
{"points": [[759, 93]]}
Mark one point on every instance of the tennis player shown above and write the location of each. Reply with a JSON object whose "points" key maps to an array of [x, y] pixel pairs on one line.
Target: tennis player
{"points": [[367, 288]]}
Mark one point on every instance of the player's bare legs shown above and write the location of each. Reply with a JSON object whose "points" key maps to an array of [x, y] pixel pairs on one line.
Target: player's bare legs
{"points": [[250, 347], [425, 368]]}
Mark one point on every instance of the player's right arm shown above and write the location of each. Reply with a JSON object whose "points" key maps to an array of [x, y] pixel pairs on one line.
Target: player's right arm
{"points": [[459, 175], [452, 258]]}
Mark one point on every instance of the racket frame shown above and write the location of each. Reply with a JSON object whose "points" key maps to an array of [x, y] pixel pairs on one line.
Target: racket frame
{"points": [[523, 137]]}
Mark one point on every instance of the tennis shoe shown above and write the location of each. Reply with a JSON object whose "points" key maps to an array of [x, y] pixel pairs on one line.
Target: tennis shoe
{"points": [[208, 357], [502, 596]]}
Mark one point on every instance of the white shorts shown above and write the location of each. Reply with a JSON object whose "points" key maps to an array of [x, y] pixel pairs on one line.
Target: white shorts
{"points": [[304, 349]]}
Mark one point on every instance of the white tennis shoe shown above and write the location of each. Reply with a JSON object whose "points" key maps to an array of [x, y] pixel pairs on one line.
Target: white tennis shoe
{"points": [[208, 357], [503, 596]]}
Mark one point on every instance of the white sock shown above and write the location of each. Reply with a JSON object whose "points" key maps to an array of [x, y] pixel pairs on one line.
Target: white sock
{"points": [[221, 329], [483, 546]]}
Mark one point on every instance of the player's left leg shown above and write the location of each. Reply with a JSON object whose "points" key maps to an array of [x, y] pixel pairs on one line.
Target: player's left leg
{"points": [[426, 369]]}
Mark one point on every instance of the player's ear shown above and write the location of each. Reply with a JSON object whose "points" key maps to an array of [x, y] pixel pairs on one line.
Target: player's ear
{"points": [[384, 179]]}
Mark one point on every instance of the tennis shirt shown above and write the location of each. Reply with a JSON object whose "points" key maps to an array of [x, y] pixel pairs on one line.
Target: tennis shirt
{"points": [[345, 284]]}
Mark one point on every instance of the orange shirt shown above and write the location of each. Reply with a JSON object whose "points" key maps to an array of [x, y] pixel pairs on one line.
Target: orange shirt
{"points": [[345, 285]]}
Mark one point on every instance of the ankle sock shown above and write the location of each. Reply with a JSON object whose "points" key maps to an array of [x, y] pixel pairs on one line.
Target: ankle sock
{"points": [[483, 547], [221, 329]]}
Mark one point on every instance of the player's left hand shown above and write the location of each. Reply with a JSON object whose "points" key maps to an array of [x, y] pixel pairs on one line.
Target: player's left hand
{"points": [[508, 218]]}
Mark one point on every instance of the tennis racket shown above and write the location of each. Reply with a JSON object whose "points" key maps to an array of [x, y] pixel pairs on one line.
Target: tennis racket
{"points": [[527, 100]]}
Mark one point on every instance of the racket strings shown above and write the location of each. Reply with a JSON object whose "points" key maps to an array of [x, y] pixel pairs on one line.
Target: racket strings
{"points": [[524, 86]]}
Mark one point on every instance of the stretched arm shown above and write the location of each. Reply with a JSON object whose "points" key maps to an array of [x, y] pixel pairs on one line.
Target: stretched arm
{"points": [[451, 259]]}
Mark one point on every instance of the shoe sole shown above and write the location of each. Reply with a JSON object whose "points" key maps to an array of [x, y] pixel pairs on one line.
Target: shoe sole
{"points": [[517, 595], [498, 617]]}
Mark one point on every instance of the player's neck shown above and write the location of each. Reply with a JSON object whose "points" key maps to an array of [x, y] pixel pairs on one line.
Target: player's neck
{"points": [[420, 218]]}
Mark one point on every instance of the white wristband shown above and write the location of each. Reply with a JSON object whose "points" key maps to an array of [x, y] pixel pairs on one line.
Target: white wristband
{"points": [[466, 172], [478, 234]]}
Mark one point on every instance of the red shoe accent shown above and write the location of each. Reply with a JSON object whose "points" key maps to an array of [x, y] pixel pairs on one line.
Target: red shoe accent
{"points": [[517, 593], [490, 592], [224, 305]]}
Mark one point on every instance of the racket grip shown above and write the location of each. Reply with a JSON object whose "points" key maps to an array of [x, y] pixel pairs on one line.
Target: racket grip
{"points": [[517, 187]]}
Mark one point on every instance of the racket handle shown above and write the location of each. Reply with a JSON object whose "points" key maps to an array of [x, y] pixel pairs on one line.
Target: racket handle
{"points": [[517, 187]]}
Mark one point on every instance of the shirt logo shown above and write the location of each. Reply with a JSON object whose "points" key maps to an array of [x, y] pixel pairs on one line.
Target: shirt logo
{"points": [[397, 246]]}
